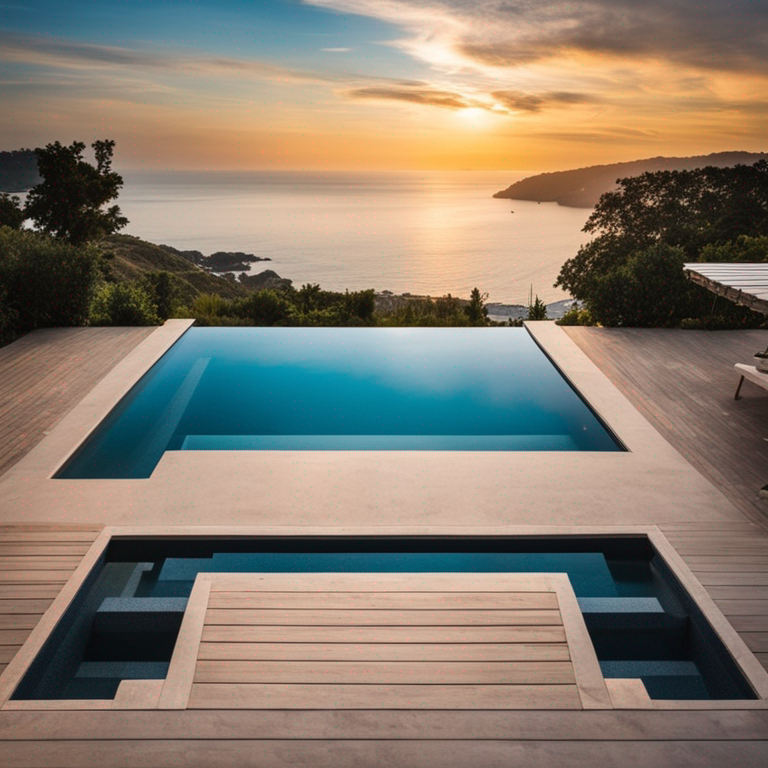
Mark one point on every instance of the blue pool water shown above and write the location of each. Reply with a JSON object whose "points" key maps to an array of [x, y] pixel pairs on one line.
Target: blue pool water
{"points": [[436, 389], [124, 621]]}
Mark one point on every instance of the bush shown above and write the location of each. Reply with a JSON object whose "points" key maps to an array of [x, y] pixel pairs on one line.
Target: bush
{"points": [[11, 212], [743, 249], [576, 315], [648, 290], [162, 291], [47, 282], [265, 307], [123, 304]]}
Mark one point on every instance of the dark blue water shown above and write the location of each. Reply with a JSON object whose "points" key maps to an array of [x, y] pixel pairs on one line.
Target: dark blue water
{"points": [[124, 621], [443, 389]]}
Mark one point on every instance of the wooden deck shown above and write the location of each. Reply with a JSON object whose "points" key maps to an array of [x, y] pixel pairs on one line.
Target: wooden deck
{"points": [[683, 382], [355, 676], [35, 563], [46, 373], [383, 641]]}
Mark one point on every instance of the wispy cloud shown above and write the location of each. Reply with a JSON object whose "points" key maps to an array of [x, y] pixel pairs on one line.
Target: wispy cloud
{"points": [[530, 102], [706, 34], [336, 50], [428, 96]]}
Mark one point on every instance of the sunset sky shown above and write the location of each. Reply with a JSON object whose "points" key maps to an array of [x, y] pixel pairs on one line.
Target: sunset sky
{"points": [[385, 84]]}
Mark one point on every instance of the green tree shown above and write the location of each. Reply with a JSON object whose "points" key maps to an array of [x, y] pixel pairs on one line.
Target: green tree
{"points": [[11, 212], [476, 311], [683, 211], [537, 309], [123, 304], [162, 291], [68, 202]]}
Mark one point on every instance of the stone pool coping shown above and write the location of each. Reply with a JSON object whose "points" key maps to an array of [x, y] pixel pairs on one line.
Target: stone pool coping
{"points": [[649, 483], [173, 693]]}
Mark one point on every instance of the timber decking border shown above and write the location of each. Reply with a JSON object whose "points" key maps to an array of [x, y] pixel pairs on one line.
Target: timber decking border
{"points": [[44, 374]]}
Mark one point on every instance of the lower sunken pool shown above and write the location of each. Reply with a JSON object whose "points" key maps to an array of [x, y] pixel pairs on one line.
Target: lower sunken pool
{"points": [[341, 389], [124, 621]]}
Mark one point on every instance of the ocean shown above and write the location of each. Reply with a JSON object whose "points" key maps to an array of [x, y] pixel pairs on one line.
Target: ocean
{"points": [[420, 232]]}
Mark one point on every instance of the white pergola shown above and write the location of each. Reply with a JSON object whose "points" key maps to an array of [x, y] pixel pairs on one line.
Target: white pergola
{"points": [[745, 284]]}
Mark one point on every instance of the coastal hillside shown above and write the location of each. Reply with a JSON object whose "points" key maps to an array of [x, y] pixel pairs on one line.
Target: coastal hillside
{"points": [[131, 258], [582, 187], [18, 170]]}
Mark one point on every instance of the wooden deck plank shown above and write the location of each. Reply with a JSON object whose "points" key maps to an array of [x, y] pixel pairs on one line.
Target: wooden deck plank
{"points": [[382, 600], [385, 753], [41, 562], [438, 635], [743, 607], [387, 672], [756, 641], [20, 526], [29, 591], [216, 725], [357, 618], [740, 592], [286, 696], [731, 579], [384, 651], [7, 652], [45, 373], [683, 382], [23, 621], [19, 607], [43, 550], [13, 636], [35, 577], [48, 537]]}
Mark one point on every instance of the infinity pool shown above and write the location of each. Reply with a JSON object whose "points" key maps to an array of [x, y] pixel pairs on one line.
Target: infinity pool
{"points": [[340, 389]]}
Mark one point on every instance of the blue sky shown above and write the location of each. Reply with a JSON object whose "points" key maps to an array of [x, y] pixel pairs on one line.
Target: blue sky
{"points": [[385, 83]]}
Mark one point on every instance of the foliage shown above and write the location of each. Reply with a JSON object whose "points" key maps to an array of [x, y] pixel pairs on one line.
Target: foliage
{"points": [[677, 213], [47, 283], [537, 309], [161, 289], [476, 310], [68, 201], [743, 249], [11, 212], [266, 307], [123, 304], [576, 315], [440, 312]]}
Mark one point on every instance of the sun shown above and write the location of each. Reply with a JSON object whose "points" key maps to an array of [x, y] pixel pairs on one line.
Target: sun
{"points": [[474, 117]]}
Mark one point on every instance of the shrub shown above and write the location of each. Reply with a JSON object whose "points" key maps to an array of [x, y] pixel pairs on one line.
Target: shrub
{"points": [[649, 289], [47, 282], [162, 291], [11, 212], [265, 307], [537, 309], [123, 304], [576, 315]]}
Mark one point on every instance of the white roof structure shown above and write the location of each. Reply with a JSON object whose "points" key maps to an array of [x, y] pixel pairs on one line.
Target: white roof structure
{"points": [[746, 284]]}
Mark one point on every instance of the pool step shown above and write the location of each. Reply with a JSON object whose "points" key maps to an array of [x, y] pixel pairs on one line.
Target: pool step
{"points": [[139, 614], [123, 670], [379, 443]]}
